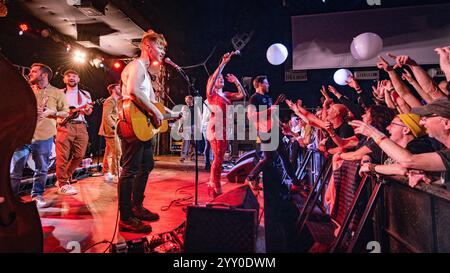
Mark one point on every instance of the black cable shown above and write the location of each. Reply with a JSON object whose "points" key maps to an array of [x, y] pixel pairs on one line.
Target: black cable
{"points": [[183, 201]]}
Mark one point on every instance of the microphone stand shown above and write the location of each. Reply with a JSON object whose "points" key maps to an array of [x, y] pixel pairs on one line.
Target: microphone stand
{"points": [[193, 92]]}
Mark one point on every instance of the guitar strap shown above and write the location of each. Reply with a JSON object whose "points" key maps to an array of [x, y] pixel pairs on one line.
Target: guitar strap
{"points": [[80, 91]]}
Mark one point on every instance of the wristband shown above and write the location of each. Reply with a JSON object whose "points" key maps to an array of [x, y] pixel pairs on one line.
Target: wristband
{"points": [[378, 140]]}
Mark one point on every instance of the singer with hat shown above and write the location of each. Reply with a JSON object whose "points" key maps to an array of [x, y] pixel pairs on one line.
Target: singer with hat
{"points": [[216, 131]]}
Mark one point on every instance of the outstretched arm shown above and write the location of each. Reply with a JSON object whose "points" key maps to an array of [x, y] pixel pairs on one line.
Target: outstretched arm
{"points": [[426, 161], [421, 75], [212, 80], [397, 83]]}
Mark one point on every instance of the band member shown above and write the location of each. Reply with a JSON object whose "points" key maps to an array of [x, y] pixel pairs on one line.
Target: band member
{"points": [[72, 137], [137, 156], [51, 104], [187, 133], [108, 129], [216, 132], [261, 85]]}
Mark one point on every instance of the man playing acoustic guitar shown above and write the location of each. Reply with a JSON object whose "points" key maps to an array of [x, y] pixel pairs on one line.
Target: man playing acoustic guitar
{"points": [[137, 155], [72, 138]]}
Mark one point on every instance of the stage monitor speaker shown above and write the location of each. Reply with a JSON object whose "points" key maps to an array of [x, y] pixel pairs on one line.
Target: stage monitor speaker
{"points": [[229, 225], [239, 172], [245, 156]]}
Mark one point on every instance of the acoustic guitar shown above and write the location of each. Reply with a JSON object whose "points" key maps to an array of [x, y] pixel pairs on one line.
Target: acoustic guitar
{"points": [[135, 123]]}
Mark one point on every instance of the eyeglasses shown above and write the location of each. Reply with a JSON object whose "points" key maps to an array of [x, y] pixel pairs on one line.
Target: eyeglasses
{"points": [[398, 124]]}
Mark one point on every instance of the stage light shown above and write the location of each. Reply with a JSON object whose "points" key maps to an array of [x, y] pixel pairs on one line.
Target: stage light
{"points": [[23, 28], [79, 56], [117, 65], [68, 47], [97, 62]]}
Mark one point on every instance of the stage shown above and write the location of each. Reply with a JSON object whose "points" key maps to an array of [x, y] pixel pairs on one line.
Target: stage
{"points": [[90, 216]]}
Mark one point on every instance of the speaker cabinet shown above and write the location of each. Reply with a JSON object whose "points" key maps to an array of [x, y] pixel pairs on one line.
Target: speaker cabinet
{"points": [[239, 172], [228, 225]]}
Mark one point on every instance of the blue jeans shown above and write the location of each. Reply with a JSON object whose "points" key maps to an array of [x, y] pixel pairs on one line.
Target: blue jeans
{"points": [[40, 151]]}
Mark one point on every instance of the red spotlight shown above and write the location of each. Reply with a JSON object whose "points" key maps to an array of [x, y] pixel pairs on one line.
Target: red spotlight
{"points": [[23, 27], [117, 65]]}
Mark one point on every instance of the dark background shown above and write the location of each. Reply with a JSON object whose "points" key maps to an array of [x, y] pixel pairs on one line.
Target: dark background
{"points": [[193, 28]]}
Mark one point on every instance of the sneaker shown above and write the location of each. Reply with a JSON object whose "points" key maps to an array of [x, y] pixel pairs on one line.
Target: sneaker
{"points": [[144, 214], [67, 190], [108, 177], [40, 202], [134, 225]]}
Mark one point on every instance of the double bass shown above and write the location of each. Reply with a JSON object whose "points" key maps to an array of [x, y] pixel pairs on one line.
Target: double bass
{"points": [[20, 224]]}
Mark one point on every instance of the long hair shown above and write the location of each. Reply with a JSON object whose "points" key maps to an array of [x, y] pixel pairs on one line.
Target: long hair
{"points": [[381, 117]]}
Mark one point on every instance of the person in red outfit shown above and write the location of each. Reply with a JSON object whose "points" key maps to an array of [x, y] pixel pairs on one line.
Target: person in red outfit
{"points": [[216, 131]]}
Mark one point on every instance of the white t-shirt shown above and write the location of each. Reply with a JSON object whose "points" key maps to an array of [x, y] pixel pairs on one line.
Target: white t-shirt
{"points": [[72, 99]]}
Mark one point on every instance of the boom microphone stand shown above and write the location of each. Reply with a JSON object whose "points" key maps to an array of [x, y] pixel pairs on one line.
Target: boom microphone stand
{"points": [[193, 92]]}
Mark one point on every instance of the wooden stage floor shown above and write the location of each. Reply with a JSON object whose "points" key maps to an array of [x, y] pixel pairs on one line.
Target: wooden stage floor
{"points": [[90, 216]]}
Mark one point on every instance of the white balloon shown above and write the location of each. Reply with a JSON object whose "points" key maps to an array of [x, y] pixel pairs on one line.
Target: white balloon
{"points": [[354, 52], [341, 76], [277, 54], [367, 46]]}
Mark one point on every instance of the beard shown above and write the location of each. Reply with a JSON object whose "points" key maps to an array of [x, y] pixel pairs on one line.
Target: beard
{"points": [[33, 81], [72, 84]]}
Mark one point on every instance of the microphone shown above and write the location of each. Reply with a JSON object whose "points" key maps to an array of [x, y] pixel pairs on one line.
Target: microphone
{"points": [[174, 65], [236, 52]]}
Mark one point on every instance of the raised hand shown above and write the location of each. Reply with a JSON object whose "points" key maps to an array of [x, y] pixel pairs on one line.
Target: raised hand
{"points": [[387, 84], [406, 76], [324, 92], [332, 89], [378, 92], [299, 103], [353, 83], [383, 64], [232, 78], [362, 128], [401, 60], [226, 58], [444, 58], [280, 99]]}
